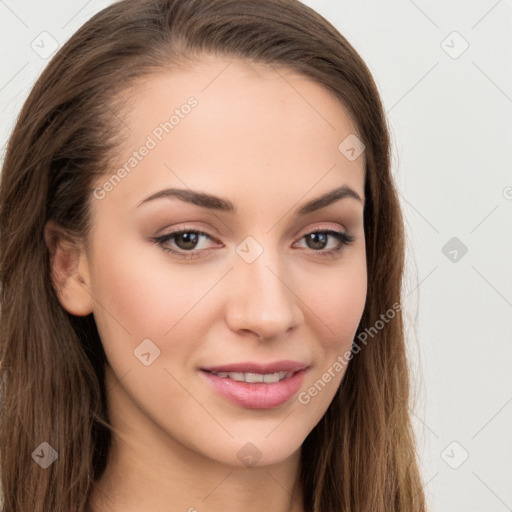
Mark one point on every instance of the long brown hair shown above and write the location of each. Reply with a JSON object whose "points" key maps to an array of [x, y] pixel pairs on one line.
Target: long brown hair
{"points": [[361, 456]]}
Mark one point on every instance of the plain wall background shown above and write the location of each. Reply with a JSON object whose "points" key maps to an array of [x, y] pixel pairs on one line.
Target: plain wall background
{"points": [[450, 114]]}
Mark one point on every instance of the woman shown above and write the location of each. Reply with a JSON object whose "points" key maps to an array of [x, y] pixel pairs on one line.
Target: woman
{"points": [[201, 265]]}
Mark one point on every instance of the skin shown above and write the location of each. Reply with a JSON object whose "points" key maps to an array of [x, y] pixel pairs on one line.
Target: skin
{"points": [[266, 139]]}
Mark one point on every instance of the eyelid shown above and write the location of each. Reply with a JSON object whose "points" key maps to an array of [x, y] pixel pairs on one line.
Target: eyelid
{"points": [[214, 237], [344, 239], [321, 227]]}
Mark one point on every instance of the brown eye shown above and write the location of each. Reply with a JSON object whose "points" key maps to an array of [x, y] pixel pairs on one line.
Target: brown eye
{"points": [[186, 240], [318, 240]]}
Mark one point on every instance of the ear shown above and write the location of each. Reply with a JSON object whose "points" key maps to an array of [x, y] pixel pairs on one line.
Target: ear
{"points": [[69, 271]]}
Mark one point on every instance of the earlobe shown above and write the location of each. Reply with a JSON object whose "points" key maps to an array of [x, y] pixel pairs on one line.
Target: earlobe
{"points": [[69, 271]]}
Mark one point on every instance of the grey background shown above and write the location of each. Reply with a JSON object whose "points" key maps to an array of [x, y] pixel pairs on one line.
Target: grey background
{"points": [[450, 115]]}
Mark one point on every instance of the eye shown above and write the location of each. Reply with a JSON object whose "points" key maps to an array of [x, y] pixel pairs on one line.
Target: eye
{"points": [[317, 240], [184, 243]]}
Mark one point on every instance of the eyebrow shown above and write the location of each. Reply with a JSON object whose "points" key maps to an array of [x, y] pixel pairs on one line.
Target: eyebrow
{"points": [[224, 205]]}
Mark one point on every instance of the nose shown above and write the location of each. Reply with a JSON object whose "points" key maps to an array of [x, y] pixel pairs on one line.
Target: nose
{"points": [[263, 300]]}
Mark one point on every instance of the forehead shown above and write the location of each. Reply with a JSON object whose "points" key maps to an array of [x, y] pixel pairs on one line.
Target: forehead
{"points": [[226, 124]]}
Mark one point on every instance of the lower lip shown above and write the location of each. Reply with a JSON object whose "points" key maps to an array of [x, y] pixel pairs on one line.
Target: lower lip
{"points": [[257, 395]]}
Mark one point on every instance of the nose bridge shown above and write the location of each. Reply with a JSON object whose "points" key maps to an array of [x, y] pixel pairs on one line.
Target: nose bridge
{"points": [[262, 300]]}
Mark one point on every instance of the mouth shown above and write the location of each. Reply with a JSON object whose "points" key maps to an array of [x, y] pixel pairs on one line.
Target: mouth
{"points": [[251, 378], [257, 386], [284, 366]]}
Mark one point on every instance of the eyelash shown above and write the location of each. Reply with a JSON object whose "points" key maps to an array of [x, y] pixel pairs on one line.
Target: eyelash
{"points": [[344, 239]]}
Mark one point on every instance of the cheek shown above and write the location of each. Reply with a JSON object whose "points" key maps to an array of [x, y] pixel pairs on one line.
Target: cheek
{"points": [[338, 301], [338, 306], [141, 294], [351, 299]]}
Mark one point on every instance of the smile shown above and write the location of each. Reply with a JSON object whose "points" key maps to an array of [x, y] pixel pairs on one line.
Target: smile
{"points": [[256, 390], [255, 377]]}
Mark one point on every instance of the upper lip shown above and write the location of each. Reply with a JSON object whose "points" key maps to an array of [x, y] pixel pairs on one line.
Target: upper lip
{"points": [[263, 368]]}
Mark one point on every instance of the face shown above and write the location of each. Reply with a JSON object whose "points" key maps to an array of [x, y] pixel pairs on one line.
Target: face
{"points": [[230, 274]]}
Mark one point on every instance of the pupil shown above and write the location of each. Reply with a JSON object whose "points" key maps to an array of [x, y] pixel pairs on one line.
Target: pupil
{"points": [[315, 238], [190, 240]]}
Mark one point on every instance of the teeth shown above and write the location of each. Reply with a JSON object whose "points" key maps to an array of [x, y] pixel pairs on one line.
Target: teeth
{"points": [[276, 377], [255, 377]]}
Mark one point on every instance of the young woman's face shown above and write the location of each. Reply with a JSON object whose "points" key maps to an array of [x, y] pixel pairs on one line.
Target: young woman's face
{"points": [[246, 288]]}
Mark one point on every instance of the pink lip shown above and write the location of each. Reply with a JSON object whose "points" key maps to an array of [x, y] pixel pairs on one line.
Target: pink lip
{"points": [[257, 395], [250, 367]]}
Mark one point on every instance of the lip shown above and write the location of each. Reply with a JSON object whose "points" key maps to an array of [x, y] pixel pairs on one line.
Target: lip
{"points": [[253, 367], [257, 395]]}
